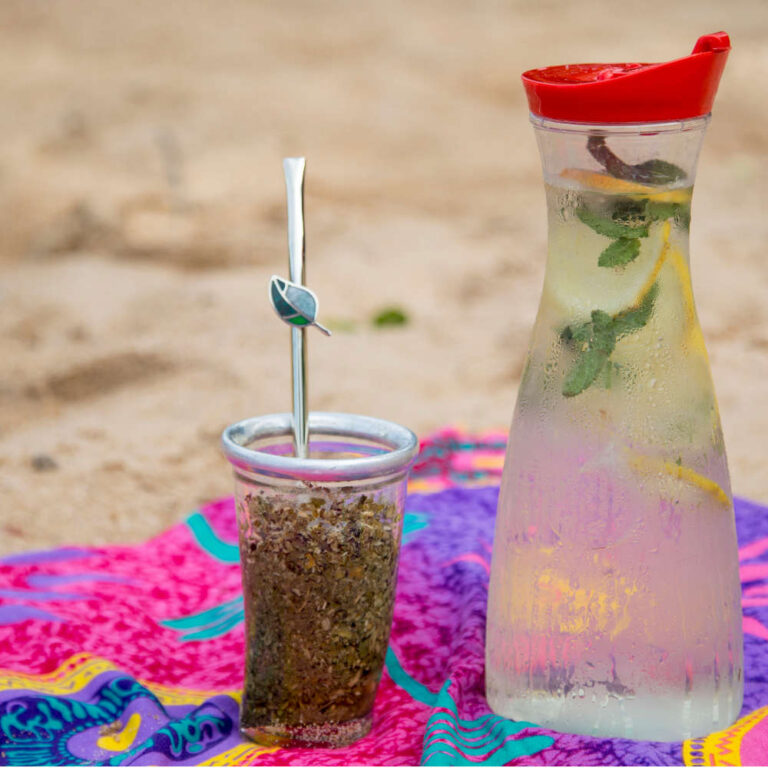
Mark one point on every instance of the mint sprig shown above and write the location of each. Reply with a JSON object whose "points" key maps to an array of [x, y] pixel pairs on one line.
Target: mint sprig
{"points": [[658, 172], [633, 319], [655, 172], [620, 252], [661, 211], [595, 341], [626, 221], [610, 227]]}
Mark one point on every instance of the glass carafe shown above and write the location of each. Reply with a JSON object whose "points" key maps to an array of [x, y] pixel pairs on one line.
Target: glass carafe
{"points": [[614, 605]]}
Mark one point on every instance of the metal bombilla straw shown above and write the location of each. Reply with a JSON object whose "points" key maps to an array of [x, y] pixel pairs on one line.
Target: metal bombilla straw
{"points": [[324, 644], [294, 303]]}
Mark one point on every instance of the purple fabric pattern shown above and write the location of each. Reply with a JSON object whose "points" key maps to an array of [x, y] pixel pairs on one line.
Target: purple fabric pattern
{"points": [[134, 655]]}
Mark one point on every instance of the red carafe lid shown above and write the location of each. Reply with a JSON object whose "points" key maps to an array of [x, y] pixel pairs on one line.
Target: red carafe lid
{"points": [[631, 93]]}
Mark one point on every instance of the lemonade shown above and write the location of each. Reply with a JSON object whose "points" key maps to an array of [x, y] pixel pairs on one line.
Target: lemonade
{"points": [[614, 605]]}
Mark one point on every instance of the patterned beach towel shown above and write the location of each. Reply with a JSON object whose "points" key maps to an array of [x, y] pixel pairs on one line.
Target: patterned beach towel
{"points": [[134, 655]]}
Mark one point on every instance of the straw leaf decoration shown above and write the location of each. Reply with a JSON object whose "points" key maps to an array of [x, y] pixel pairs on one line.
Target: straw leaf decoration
{"points": [[294, 304]]}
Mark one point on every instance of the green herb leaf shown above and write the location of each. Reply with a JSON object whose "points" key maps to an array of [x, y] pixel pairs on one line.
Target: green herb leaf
{"points": [[633, 319], [609, 227], [584, 372], [602, 331], [620, 252], [597, 328], [595, 341], [658, 172], [390, 316], [658, 211], [629, 211]]}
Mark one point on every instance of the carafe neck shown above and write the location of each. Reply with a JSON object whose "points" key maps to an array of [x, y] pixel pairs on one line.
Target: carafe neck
{"points": [[631, 157]]}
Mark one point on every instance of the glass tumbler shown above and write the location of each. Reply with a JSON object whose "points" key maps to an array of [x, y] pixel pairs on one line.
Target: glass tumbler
{"points": [[319, 545]]}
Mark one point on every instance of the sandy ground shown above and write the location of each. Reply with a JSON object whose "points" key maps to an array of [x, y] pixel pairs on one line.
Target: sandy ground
{"points": [[142, 212]]}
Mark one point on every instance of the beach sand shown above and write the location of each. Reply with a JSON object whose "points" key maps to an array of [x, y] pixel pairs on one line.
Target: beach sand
{"points": [[142, 211]]}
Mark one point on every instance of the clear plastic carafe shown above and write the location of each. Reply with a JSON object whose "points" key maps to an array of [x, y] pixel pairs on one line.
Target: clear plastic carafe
{"points": [[614, 605]]}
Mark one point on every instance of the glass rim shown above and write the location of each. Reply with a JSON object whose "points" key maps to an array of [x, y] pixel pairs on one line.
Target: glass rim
{"points": [[399, 442], [667, 126]]}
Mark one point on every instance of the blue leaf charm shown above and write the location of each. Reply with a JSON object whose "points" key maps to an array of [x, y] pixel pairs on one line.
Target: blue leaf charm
{"points": [[294, 304]]}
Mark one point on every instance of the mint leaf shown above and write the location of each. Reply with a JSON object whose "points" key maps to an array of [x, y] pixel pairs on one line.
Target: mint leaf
{"points": [[630, 218], [658, 172], [584, 372], [628, 211], [619, 252], [585, 332], [595, 341], [633, 319], [608, 374], [662, 211], [658, 211], [602, 331], [609, 227]]}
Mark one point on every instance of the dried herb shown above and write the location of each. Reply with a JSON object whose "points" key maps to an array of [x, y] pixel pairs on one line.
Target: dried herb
{"points": [[319, 575]]}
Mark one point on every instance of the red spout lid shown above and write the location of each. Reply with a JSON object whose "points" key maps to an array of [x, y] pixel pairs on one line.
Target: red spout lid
{"points": [[631, 93]]}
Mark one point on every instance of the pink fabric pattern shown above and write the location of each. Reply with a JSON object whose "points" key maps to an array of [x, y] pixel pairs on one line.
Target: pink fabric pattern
{"points": [[134, 655]]}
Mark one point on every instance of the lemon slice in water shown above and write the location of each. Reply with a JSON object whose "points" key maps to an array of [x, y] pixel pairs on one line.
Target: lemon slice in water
{"points": [[686, 475], [575, 285], [602, 182]]}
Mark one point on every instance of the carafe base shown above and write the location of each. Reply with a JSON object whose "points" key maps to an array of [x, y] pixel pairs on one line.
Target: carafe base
{"points": [[649, 717]]}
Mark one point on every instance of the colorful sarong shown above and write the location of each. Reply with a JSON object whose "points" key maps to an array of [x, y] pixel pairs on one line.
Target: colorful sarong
{"points": [[134, 655]]}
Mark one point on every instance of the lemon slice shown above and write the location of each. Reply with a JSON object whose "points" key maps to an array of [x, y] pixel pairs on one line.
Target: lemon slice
{"points": [[650, 464], [602, 182], [694, 339], [575, 285], [653, 275]]}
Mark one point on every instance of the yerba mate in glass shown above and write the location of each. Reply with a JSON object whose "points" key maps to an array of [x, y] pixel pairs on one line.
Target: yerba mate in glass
{"points": [[614, 604], [319, 546]]}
